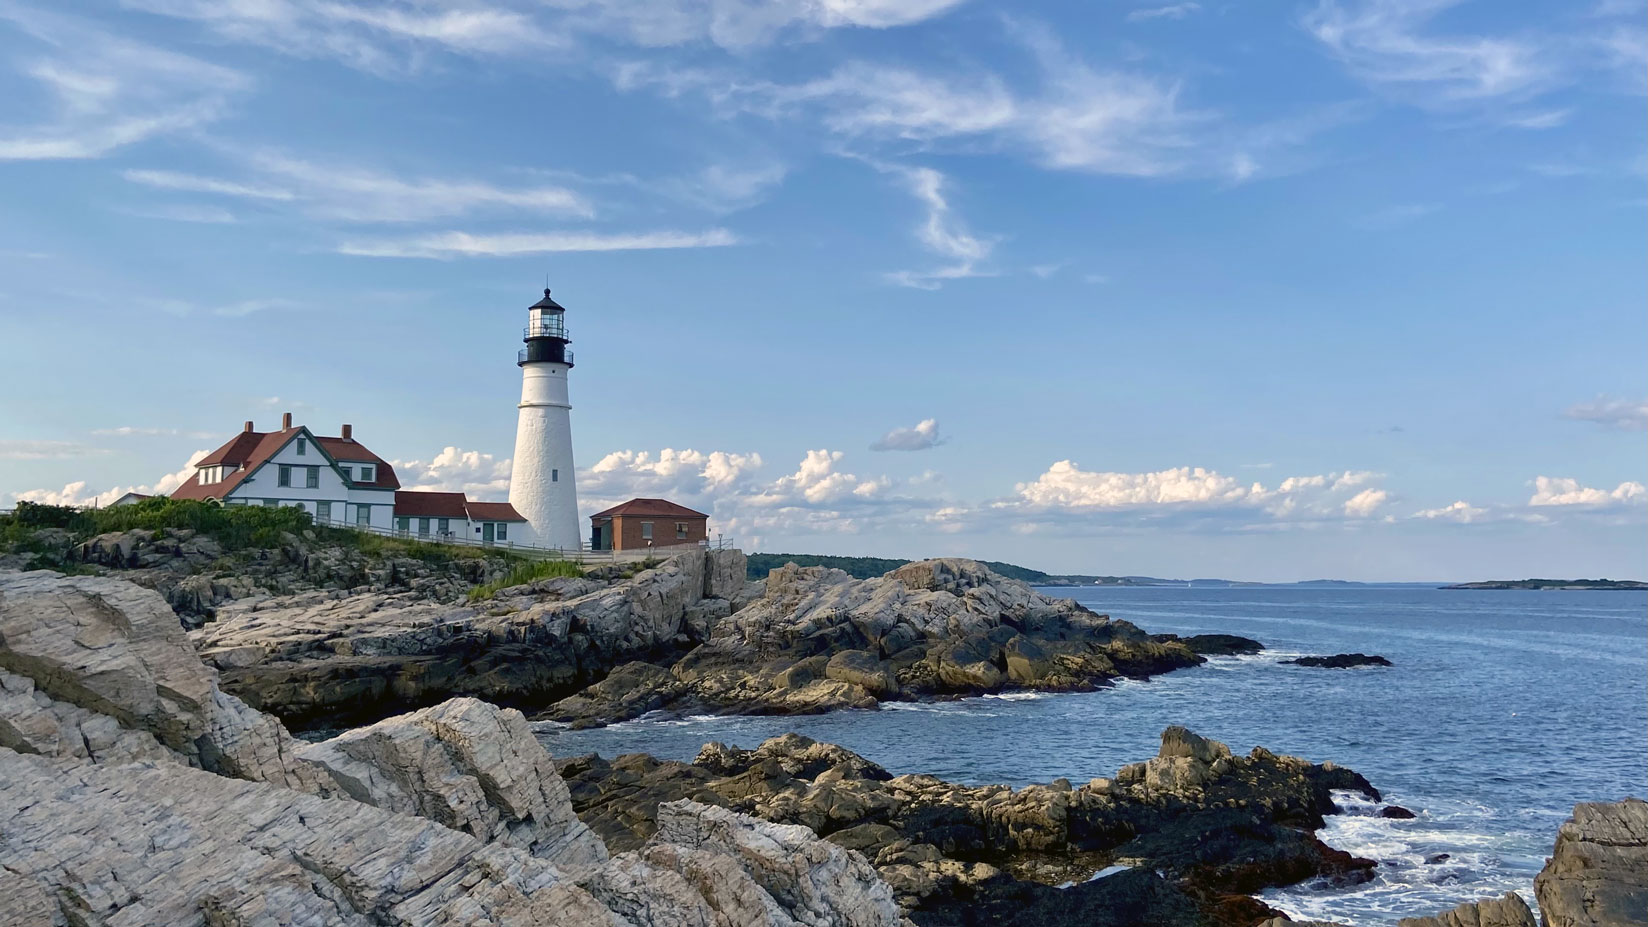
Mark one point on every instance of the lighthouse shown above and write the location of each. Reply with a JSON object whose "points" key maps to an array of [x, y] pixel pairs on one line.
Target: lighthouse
{"points": [[541, 484]]}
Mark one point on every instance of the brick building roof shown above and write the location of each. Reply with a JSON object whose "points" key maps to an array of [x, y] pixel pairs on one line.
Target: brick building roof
{"points": [[660, 508]]}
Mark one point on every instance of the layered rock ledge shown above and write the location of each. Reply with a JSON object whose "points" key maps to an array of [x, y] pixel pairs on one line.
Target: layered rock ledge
{"points": [[815, 640], [133, 791], [689, 635]]}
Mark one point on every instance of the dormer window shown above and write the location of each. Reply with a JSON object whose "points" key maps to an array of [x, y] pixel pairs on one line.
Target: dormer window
{"points": [[368, 473]]}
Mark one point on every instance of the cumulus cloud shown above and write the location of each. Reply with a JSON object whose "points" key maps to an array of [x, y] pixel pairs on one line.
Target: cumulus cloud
{"points": [[1549, 490], [1625, 414], [919, 438], [1065, 488], [670, 472], [478, 475], [1461, 511], [78, 492]]}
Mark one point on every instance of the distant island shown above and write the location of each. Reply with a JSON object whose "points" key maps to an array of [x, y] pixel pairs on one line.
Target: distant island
{"points": [[1553, 584]]}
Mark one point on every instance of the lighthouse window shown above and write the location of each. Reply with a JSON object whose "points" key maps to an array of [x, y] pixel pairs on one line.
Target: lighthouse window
{"points": [[554, 476]]}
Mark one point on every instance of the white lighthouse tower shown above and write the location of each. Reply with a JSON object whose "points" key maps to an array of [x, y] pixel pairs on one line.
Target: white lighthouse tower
{"points": [[541, 486]]}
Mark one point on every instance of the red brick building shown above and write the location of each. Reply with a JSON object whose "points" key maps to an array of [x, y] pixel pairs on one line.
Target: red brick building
{"points": [[642, 523]]}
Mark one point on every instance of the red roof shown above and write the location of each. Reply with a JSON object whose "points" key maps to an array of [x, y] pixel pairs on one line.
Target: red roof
{"points": [[429, 504], [493, 511], [251, 449], [661, 508]]}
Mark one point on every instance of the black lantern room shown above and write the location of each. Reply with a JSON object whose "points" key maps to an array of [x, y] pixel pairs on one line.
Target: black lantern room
{"points": [[545, 334]]}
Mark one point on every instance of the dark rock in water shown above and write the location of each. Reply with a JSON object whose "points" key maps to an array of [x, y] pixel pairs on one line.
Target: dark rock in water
{"points": [[1341, 661], [1396, 812], [1435, 858], [1215, 645], [1200, 828]]}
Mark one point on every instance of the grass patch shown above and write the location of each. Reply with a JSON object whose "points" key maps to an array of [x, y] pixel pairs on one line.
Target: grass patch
{"points": [[529, 572]]}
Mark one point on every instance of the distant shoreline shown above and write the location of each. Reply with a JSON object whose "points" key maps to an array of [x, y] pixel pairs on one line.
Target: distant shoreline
{"points": [[1628, 584]]}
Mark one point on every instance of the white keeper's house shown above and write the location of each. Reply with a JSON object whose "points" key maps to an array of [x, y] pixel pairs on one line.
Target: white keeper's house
{"points": [[336, 479]]}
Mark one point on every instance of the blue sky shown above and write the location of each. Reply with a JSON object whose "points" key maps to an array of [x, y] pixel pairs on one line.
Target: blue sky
{"points": [[1272, 291]]}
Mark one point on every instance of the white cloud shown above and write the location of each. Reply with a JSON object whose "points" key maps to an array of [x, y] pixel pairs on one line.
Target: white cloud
{"points": [[624, 474], [389, 37], [1549, 490], [480, 476], [919, 438], [128, 431], [1461, 511], [77, 493], [1548, 119], [1624, 414], [738, 24], [44, 450], [1383, 42], [206, 215], [190, 183], [1396, 215], [103, 92], [1171, 11], [942, 233], [1364, 503], [463, 244], [349, 193], [1066, 489]]}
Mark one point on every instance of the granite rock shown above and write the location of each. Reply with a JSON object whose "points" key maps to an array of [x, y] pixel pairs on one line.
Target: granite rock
{"points": [[1597, 875]]}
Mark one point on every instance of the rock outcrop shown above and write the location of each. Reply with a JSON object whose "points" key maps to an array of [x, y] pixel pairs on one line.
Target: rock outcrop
{"points": [[1197, 827], [1597, 875], [1340, 661], [110, 676], [329, 658], [1507, 911], [469, 766], [817, 640], [133, 791]]}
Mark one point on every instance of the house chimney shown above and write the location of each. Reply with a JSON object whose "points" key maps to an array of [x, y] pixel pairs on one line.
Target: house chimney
{"points": [[349, 432], [248, 428], [286, 421]]}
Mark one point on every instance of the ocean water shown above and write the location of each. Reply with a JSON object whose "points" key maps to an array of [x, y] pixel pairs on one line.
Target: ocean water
{"points": [[1504, 708]]}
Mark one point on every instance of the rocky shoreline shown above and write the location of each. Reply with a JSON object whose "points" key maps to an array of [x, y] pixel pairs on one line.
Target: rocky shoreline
{"points": [[135, 790], [688, 636]]}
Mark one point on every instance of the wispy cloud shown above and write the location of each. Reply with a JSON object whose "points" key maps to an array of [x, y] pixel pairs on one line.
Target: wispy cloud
{"points": [[464, 244], [45, 450], [941, 232], [183, 212], [350, 193], [1171, 11], [1396, 215], [193, 183], [131, 431], [1613, 412], [102, 92], [1386, 42], [920, 437]]}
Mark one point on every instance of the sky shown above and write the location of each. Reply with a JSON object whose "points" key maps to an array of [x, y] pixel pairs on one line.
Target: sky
{"points": [[1268, 291]]}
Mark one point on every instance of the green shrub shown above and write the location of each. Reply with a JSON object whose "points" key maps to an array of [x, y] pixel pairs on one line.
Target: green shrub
{"points": [[529, 572]]}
